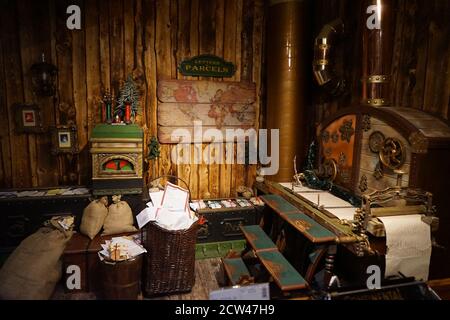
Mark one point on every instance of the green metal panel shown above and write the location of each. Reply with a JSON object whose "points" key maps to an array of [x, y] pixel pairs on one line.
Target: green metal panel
{"points": [[104, 131], [217, 249], [309, 227], [282, 271], [279, 204], [207, 65], [236, 268], [257, 238]]}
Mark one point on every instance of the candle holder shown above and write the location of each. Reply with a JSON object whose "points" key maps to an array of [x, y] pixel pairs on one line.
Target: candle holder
{"points": [[107, 114]]}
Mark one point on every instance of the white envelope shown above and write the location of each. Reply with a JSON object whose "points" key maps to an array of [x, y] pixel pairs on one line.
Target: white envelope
{"points": [[145, 216]]}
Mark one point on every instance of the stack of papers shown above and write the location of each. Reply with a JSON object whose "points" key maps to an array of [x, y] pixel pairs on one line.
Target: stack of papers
{"points": [[121, 248], [66, 222], [55, 192], [169, 209], [75, 191], [38, 193], [32, 193], [8, 194]]}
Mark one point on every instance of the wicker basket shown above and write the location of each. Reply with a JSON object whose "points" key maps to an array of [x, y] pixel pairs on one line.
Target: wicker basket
{"points": [[170, 263]]}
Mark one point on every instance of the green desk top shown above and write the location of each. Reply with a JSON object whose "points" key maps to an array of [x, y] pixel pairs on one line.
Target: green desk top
{"points": [[284, 274], [310, 228], [279, 204], [235, 269], [105, 131], [257, 238]]}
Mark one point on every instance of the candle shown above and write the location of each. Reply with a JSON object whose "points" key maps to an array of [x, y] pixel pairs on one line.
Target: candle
{"points": [[127, 113]]}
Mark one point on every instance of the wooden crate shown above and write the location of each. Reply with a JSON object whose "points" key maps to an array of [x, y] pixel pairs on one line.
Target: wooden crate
{"points": [[75, 255]]}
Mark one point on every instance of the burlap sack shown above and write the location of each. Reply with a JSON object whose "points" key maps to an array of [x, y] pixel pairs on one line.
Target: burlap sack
{"points": [[119, 219], [33, 269], [93, 217]]}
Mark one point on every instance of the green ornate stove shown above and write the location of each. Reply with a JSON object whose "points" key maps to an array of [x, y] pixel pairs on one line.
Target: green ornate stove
{"points": [[117, 159]]}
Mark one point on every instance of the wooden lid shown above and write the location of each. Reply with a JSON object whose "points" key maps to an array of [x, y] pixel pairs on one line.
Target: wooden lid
{"points": [[77, 244]]}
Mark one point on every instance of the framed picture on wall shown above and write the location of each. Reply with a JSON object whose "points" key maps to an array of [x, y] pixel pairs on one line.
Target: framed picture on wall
{"points": [[64, 139], [28, 118]]}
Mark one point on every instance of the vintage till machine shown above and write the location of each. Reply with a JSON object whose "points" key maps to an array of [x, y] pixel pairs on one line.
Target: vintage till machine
{"points": [[372, 198], [379, 174]]}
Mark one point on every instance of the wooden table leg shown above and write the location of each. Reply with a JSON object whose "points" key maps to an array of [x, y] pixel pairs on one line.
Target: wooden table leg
{"points": [[329, 264]]}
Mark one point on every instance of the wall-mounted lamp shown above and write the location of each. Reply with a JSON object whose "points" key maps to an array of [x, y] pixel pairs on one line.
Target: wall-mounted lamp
{"points": [[44, 77]]}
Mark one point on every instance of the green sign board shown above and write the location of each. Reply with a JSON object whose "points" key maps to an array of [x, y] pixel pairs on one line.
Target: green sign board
{"points": [[207, 66]]}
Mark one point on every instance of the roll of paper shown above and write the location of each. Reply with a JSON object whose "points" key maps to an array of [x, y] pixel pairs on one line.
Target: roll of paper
{"points": [[408, 241]]}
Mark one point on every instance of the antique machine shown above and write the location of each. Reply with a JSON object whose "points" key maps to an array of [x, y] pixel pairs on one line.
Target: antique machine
{"points": [[372, 197], [117, 159], [373, 194], [384, 155]]}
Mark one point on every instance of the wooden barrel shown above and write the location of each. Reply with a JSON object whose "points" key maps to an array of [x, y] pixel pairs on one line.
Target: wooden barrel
{"points": [[121, 280]]}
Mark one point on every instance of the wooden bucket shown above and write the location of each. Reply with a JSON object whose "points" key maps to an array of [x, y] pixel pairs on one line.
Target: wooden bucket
{"points": [[121, 280]]}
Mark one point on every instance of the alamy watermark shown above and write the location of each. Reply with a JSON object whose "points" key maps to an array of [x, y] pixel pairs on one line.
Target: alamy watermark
{"points": [[374, 280], [73, 280], [252, 146], [74, 20]]}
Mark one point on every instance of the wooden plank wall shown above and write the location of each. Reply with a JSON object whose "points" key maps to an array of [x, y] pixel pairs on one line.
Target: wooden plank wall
{"points": [[420, 62], [148, 38], [145, 38]]}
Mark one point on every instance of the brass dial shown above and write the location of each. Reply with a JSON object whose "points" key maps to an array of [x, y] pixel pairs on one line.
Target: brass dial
{"points": [[376, 140], [328, 170], [392, 153]]}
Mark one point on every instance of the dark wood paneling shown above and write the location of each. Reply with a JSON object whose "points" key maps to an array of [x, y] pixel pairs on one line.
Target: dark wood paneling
{"points": [[149, 38], [143, 38], [12, 69], [419, 59]]}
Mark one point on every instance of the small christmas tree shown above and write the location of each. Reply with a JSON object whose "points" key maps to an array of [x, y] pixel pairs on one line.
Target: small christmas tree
{"points": [[128, 94], [153, 154], [153, 149]]}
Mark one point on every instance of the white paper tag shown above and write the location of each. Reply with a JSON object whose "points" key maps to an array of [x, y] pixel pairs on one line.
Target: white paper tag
{"points": [[145, 216], [258, 291]]}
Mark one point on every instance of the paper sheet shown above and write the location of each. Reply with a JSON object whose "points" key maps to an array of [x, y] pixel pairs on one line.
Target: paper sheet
{"points": [[194, 206], [175, 198], [343, 213], [156, 198], [297, 189], [325, 199], [132, 248], [145, 216], [174, 220], [408, 241]]}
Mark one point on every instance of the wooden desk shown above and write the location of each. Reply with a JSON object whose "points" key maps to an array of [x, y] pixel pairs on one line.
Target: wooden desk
{"points": [[441, 287]]}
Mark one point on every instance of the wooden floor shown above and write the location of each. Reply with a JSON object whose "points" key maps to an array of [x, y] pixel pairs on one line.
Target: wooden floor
{"points": [[208, 275]]}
